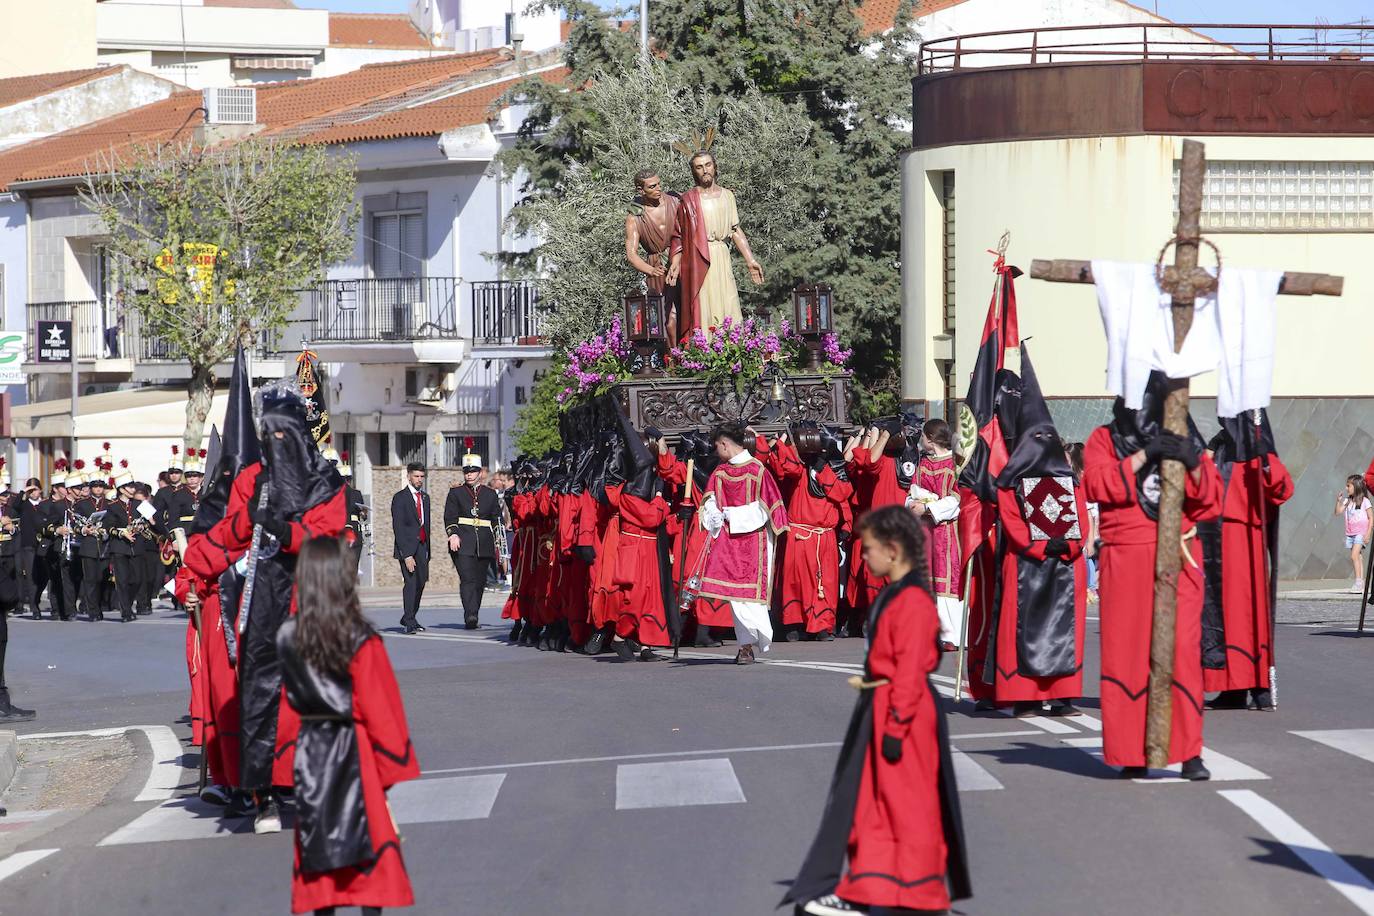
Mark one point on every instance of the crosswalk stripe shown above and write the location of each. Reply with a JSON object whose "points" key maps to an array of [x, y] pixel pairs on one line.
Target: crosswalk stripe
{"points": [[186, 818], [1223, 768], [970, 774], [11, 865], [1356, 741], [452, 798], [676, 784]]}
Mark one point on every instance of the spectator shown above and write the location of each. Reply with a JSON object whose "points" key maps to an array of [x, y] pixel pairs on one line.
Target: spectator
{"points": [[1359, 524]]}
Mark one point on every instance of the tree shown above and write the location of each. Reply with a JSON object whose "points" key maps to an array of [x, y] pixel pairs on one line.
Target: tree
{"points": [[630, 118], [855, 90], [215, 245], [536, 429]]}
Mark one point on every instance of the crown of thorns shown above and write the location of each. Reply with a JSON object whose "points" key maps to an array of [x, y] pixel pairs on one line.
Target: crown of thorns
{"points": [[701, 143]]}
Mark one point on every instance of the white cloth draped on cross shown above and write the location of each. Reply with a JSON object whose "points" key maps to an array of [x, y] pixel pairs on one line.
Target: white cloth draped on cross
{"points": [[1233, 333]]}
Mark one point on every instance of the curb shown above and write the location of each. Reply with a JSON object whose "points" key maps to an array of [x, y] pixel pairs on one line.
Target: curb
{"points": [[9, 758]]}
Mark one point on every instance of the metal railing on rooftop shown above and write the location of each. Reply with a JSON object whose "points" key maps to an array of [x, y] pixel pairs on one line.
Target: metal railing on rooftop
{"points": [[505, 311], [397, 308], [96, 332], [1149, 41]]}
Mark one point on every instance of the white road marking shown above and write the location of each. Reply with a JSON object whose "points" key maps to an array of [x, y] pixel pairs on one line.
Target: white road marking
{"points": [[658, 756], [970, 774], [484, 640], [167, 767], [676, 784], [1319, 857], [456, 798], [1007, 734], [186, 818], [1223, 768], [1356, 741], [12, 865]]}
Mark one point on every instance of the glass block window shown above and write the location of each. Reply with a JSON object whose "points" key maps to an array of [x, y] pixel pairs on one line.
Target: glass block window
{"points": [[1286, 196]]}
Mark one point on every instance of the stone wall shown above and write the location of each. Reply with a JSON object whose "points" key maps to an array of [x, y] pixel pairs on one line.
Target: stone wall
{"points": [[386, 481], [1321, 441]]}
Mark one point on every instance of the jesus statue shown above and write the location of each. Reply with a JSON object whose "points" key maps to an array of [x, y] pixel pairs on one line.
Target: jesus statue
{"points": [[706, 218]]}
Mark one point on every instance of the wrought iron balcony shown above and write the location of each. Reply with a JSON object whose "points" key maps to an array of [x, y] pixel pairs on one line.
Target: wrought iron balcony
{"points": [[399, 308], [100, 331], [505, 311], [158, 350]]}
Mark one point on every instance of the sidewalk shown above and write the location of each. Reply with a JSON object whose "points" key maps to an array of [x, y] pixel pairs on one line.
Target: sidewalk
{"points": [[390, 597], [1316, 590]]}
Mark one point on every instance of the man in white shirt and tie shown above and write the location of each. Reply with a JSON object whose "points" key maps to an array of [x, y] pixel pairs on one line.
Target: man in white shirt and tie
{"points": [[410, 527]]}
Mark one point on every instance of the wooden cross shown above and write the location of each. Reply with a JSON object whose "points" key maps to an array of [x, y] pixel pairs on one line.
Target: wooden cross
{"points": [[1184, 281]]}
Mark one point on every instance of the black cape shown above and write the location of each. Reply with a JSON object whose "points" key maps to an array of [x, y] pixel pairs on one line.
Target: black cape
{"points": [[820, 871]]}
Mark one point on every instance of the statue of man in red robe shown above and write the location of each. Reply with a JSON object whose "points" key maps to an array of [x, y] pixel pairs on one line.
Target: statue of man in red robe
{"points": [[707, 216]]}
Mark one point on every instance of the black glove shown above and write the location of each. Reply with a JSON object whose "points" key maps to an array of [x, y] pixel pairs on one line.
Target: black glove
{"points": [[1159, 447], [586, 554], [1187, 451], [1056, 547], [279, 528], [892, 749]]}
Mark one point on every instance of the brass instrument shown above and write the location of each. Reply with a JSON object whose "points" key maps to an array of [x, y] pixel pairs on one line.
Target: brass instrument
{"points": [[502, 547]]}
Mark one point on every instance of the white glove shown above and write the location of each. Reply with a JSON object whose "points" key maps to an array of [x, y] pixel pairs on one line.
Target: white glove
{"points": [[712, 519]]}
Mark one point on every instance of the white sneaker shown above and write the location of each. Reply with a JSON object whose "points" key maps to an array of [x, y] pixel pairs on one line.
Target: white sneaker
{"points": [[1357, 587], [830, 905], [268, 819]]}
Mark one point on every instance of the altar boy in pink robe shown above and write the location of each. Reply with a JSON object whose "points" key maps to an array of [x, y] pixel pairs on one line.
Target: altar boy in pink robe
{"points": [[743, 514]]}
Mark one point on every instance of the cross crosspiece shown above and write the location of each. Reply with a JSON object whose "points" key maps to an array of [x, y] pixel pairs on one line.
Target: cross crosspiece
{"points": [[1184, 281]]}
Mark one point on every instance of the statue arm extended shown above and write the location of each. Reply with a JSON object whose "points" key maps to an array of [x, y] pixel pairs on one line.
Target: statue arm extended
{"points": [[632, 250], [742, 244]]}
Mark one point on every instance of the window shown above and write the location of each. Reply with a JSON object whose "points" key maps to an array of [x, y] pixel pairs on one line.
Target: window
{"points": [[520, 396], [454, 449], [1244, 196], [410, 447], [397, 244]]}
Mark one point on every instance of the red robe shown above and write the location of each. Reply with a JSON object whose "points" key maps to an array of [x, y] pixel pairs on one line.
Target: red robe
{"points": [[810, 565], [739, 566], [1250, 505], [386, 757], [1011, 685], [1126, 590], [897, 849], [709, 612], [221, 709], [636, 570], [228, 540], [689, 240], [198, 708], [606, 597], [1369, 475], [523, 553], [875, 485], [536, 599]]}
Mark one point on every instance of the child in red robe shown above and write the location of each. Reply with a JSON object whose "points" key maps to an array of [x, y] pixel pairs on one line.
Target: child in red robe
{"points": [[352, 747], [892, 832]]}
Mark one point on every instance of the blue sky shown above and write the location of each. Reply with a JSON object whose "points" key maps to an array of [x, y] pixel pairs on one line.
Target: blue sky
{"points": [[1258, 11]]}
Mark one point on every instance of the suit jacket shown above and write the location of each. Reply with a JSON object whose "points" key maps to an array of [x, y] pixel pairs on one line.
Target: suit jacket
{"points": [[93, 546], [30, 521], [405, 524], [474, 541]]}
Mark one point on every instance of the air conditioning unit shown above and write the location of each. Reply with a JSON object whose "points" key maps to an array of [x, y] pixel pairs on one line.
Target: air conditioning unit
{"points": [[231, 105], [431, 395]]}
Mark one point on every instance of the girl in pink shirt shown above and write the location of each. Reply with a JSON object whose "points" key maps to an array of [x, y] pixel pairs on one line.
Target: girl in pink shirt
{"points": [[1359, 523]]}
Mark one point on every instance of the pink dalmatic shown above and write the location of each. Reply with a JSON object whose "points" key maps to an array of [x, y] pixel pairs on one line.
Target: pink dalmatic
{"points": [[739, 567], [939, 476]]}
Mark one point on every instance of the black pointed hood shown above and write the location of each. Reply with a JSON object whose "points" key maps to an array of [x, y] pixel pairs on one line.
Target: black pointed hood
{"points": [[238, 448], [1244, 437], [1038, 451], [1132, 429]]}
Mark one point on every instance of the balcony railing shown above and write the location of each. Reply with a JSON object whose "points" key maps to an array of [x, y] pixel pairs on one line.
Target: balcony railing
{"points": [[401, 308], [94, 338], [505, 311], [157, 350], [1149, 41]]}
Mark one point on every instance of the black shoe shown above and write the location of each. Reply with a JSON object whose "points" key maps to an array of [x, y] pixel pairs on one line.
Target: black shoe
{"points": [[622, 648], [1194, 770], [1230, 699], [1134, 772], [241, 804], [792, 635], [515, 629], [11, 713], [419, 628], [127, 618], [530, 636], [596, 642], [1264, 699], [1026, 709], [411, 630], [1063, 709], [561, 643], [704, 638], [37, 615], [825, 636], [649, 655], [469, 623], [984, 706], [145, 612]]}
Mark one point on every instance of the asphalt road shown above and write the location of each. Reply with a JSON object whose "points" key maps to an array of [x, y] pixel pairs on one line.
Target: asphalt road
{"points": [[560, 784]]}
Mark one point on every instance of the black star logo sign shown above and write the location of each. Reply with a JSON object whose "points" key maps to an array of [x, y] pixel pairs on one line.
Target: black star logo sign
{"points": [[55, 337]]}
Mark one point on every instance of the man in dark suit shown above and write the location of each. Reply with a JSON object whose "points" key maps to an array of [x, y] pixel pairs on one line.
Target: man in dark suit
{"points": [[471, 514], [410, 527], [23, 510]]}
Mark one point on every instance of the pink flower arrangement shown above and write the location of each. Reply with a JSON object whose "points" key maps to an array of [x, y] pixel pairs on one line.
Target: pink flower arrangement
{"points": [[597, 363]]}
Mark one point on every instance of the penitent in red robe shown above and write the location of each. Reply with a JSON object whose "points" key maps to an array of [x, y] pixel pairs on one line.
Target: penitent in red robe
{"points": [[875, 485], [1012, 683], [898, 854], [810, 568], [221, 701], [637, 570], [523, 552], [607, 595], [386, 757], [1126, 590], [1249, 507]]}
